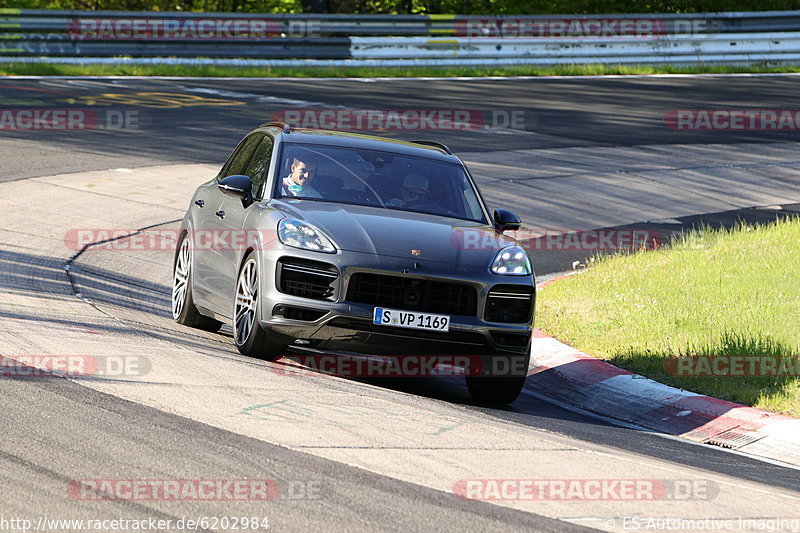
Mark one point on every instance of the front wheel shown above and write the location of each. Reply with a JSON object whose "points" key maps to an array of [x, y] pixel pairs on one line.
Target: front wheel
{"points": [[501, 379], [249, 336], [183, 309], [495, 390]]}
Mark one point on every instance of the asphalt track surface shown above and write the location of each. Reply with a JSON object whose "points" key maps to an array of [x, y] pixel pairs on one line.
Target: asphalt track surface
{"points": [[554, 113], [55, 426]]}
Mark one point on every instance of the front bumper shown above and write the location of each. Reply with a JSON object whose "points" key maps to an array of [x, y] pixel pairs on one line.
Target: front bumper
{"points": [[338, 325]]}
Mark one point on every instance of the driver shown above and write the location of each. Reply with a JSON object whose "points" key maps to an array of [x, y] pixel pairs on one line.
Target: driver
{"points": [[415, 187], [298, 182]]}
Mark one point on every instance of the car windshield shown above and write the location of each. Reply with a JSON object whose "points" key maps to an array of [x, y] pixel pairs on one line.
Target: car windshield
{"points": [[377, 178]]}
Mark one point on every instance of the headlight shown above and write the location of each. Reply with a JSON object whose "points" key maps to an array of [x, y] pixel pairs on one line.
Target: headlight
{"points": [[303, 235], [512, 261]]}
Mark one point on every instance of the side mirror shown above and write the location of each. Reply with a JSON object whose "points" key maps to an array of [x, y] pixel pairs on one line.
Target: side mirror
{"points": [[506, 220], [238, 185]]}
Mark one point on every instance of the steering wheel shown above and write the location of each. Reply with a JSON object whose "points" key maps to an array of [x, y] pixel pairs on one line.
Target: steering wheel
{"points": [[422, 203], [375, 195]]}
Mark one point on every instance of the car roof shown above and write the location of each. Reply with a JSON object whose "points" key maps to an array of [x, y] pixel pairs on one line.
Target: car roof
{"points": [[357, 140]]}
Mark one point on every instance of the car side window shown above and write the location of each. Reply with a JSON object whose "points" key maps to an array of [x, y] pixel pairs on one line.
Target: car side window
{"points": [[238, 161], [259, 165]]}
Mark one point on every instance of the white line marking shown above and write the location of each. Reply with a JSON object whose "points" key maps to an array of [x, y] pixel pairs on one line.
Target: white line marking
{"points": [[422, 78], [626, 425]]}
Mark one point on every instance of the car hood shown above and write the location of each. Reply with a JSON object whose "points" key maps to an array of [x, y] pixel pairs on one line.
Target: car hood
{"points": [[396, 233]]}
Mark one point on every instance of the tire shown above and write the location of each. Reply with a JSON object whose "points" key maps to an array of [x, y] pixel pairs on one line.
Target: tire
{"points": [[495, 390], [183, 308], [250, 338], [501, 380]]}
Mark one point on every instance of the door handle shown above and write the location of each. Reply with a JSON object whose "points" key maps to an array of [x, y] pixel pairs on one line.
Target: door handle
{"points": [[221, 214], [200, 203]]}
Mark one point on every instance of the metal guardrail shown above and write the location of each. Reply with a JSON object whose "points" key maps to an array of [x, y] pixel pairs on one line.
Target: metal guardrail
{"points": [[226, 38], [572, 51]]}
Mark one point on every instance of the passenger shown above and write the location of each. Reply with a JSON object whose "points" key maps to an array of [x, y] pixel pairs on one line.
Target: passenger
{"points": [[414, 189], [298, 182]]}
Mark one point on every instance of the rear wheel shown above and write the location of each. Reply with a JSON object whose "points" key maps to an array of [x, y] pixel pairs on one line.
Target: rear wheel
{"points": [[250, 338], [183, 308]]}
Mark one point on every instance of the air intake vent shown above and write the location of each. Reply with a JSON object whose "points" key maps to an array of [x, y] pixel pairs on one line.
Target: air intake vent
{"points": [[513, 340], [298, 313], [413, 294], [509, 304], [307, 279]]}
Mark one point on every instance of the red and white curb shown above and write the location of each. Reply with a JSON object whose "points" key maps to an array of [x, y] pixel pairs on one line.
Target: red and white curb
{"points": [[570, 377]]}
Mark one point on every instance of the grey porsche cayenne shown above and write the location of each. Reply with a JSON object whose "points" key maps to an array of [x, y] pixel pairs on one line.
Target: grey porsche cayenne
{"points": [[314, 241]]}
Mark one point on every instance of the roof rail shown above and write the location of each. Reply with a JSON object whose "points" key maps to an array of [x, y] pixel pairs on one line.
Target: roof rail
{"points": [[276, 124], [435, 145]]}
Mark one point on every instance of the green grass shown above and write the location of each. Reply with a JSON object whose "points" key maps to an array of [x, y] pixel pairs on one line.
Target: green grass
{"points": [[713, 292], [52, 69]]}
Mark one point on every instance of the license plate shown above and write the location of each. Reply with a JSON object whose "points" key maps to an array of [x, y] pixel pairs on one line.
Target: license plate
{"points": [[410, 319]]}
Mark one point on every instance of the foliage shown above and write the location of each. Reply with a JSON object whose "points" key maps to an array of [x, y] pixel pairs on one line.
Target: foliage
{"points": [[462, 7], [729, 292]]}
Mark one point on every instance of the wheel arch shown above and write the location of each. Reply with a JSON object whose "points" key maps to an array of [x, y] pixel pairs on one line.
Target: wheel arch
{"points": [[186, 229], [259, 265]]}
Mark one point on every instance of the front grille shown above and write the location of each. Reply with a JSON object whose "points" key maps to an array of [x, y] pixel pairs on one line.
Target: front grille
{"points": [[413, 294], [509, 304], [308, 279]]}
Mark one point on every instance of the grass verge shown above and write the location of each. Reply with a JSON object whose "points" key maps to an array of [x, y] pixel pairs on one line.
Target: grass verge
{"points": [[732, 292], [55, 69]]}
